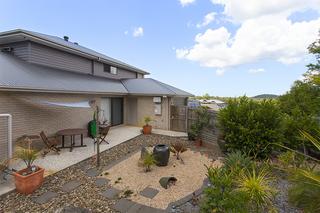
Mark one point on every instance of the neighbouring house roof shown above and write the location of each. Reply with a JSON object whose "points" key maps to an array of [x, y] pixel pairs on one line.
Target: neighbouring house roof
{"points": [[16, 74], [57, 42], [149, 86]]}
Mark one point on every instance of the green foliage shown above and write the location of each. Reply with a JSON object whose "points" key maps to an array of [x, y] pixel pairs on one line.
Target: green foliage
{"points": [[241, 185], [236, 161], [202, 121], [148, 161], [28, 155], [147, 120], [301, 109], [313, 74], [256, 188], [305, 178], [251, 126]]}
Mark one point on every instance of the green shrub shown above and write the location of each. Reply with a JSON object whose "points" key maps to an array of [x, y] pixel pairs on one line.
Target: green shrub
{"points": [[251, 126], [241, 185], [148, 161], [202, 121]]}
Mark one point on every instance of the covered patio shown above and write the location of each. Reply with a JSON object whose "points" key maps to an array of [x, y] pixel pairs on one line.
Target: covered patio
{"points": [[53, 162]]}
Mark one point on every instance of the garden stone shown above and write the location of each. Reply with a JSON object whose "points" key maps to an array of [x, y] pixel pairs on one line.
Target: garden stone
{"points": [[166, 181], [72, 209], [101, 182], [148, 209], [45, 197], [149, 192], [92, 172], [71, 185], [123, 205], [111, 193]]}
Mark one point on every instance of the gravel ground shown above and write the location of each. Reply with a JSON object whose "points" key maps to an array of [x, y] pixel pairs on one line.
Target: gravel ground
{"points": [[87, 195]]}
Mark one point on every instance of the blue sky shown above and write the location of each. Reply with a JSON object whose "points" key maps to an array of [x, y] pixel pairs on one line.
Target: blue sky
{"points": [[239, 49]]}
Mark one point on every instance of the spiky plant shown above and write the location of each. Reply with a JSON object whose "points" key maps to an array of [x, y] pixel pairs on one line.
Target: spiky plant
{"points": [[147, 120], [305, 190], [28, 155], [148, 161], [236, 161], [256, 187], [178, 148]]}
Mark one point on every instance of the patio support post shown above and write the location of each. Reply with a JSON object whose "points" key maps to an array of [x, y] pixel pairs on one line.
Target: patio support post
{"points": [[97, 135]]}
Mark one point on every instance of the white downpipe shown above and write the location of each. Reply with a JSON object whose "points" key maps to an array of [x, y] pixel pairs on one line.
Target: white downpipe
{"points": [[9, 133]]}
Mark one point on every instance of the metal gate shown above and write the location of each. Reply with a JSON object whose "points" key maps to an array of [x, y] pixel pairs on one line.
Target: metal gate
{"points": [[178, 118]]}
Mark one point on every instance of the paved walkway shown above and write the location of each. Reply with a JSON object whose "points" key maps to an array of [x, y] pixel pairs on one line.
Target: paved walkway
{"points": [[53, 162]]}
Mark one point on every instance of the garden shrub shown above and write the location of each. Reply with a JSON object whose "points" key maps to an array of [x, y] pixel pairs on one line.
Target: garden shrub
{"points": [[247, 190], [251, 126]]}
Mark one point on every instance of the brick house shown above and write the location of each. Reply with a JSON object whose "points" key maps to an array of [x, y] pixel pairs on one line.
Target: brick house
{"points": [[45, 81]]}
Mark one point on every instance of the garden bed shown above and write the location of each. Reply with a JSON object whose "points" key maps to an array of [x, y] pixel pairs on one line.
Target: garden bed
{"points": [[87, 194]]}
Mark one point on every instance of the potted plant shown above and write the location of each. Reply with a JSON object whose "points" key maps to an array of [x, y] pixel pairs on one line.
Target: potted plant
{"points": [[30, 178], [202, 121], [147, 128]]}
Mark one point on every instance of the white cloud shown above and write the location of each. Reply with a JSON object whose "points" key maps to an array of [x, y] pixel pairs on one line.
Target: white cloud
{"points": [[186, 2], [137, 32], [220, 72], [255, 71], [126, 32], [207, 20], [262, 34], [257, 8]]}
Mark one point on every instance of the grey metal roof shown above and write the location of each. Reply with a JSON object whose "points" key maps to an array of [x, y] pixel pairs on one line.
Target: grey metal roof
{"points": [[15, 35], [149, 86], [17, 74]]}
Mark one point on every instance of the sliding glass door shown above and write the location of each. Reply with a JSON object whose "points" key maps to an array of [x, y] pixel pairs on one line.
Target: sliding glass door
{"points": [[112, 110]]}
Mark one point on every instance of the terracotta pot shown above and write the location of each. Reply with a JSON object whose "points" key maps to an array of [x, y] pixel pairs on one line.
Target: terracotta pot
{"points": [[147, 129], [198, 142], [29, 183]]}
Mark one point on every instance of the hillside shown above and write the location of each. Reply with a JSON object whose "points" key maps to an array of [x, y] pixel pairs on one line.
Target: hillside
{"points": [[265, 96]]}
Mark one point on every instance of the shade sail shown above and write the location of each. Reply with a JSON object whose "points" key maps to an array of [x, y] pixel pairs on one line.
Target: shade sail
{"points": [[81, 104]]}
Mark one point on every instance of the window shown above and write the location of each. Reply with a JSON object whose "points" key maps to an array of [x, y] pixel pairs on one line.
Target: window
{"points": [[110, 69], [113, 70]]}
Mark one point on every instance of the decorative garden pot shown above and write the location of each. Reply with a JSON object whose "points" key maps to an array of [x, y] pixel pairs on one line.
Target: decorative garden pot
{"points": [[147, 129], [26, 184], [161, 153]]}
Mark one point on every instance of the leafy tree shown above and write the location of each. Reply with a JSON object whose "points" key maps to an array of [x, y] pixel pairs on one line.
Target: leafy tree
{"points": [[313, 74]]}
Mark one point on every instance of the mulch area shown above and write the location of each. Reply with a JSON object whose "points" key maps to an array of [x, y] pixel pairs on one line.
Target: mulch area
{"points": [[86, 196]]}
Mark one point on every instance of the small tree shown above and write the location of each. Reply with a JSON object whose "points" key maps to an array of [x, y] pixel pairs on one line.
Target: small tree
{"points": [[148, 161]]}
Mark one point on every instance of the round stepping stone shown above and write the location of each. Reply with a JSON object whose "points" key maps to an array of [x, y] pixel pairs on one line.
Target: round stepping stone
{"points": [[92, 172], [101, 182]]}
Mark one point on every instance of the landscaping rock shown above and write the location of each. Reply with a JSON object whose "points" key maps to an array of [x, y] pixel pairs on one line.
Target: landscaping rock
{"points": [[165, 182], [123, 205], [72, 209]]}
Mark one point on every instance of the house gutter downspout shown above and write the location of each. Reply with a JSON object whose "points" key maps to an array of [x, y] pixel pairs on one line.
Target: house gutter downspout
{"points": [[9, 133]]}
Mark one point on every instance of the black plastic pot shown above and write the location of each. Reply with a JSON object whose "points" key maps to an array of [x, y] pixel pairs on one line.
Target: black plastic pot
{"points": [[161, 153]]}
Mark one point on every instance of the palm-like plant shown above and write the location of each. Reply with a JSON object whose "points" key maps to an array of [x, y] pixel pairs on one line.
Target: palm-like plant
{"points": [[178, 148], [256, 187], [236, 161], [147, 120], [28, 155], [305, 190], [148, 161]]}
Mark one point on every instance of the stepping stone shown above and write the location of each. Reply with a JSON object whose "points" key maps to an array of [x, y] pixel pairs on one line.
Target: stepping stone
{"points": [[92, 172], [72, 209], [71, 185], [123, 205], [111, 193], [148, 209], [101, 182], [135, 208], [45, 197], [149, 192]]}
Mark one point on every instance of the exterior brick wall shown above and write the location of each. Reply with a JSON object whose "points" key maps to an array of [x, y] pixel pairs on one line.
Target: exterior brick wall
{"points": [[145, 107]]}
